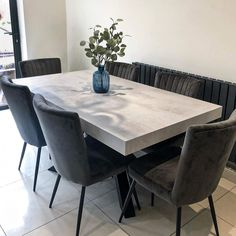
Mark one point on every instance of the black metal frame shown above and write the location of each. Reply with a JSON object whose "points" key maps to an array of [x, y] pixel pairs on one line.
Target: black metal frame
{"points": [[36, 166], [15, 34]]}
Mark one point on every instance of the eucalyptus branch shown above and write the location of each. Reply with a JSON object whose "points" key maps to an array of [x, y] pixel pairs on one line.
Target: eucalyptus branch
{"points": [[105, 44], [5, 30]]}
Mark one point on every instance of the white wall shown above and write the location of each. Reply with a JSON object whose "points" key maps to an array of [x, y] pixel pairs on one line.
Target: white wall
{"points": [[45, 29], [188, 35]]}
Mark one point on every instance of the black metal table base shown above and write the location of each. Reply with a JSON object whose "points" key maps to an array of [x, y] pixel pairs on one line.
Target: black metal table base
{"points": [[122, 185], [52, 168]]}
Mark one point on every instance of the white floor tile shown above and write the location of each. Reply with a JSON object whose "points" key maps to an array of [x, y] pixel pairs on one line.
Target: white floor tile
{"points": [[230, 175], [94, 223], [223, 187], [202, 225], [96, 190], [158, 220], [22, 210], [1, 232], [10, 149], [226, 207]]}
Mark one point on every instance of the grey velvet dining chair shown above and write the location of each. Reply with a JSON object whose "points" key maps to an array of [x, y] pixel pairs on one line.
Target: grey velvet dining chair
{"points": [[42, 66], [123, 70], [84, 161], [191, 176], [178, 83], [19, 99]]}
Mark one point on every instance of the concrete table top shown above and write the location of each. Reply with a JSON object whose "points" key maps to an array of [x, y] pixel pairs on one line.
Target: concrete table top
{"points": [[131, 116]]}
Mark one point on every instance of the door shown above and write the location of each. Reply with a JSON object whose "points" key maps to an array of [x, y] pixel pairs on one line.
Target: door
{"points": [[10, 52]]}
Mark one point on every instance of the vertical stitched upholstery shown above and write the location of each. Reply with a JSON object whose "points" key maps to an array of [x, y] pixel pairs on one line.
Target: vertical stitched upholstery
{"points": [[123, 70], [19, 99], [78, 159], [38, 67], [178, 83]]}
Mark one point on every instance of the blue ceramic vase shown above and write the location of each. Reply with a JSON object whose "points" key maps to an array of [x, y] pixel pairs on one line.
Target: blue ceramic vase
{"points": [[101, 80]]}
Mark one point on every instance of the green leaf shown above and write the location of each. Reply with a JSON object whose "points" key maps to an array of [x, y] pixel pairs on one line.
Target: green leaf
{"points": [[96, 33], [87, 49], [116, 36], [121, 54], [92, 39], [89, 54], [106, 35], [123, 45], [94, 61], [101, 50], [122, 50], [100, 40], [116, 49], [98, 26], [113, 57], [119, 20], [82, 43], [111, 42], [91, 45], [111, 19]]}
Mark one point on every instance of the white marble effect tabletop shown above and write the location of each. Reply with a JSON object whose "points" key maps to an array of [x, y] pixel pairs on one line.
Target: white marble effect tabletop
{"points": [[131, 116]]}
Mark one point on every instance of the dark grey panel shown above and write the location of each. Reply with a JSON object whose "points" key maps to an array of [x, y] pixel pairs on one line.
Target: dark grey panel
{"points": [[223, 97], [230, 100], [215, 92], [147, 75], [208, 90]]}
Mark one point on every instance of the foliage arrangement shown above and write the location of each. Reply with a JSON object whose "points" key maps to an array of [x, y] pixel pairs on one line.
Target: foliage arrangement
{"points": [[4, 24], [105, 44]]}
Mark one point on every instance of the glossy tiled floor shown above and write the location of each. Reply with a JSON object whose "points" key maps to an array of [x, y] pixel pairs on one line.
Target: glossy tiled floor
{"points": [[23, 212]]}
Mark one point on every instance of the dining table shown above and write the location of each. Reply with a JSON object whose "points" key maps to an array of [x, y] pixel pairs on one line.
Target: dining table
{"points": [[130, 117]]}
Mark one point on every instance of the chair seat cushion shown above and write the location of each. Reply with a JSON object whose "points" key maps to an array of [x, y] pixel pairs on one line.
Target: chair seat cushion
{"points": [[104, 161], [157, 171]]}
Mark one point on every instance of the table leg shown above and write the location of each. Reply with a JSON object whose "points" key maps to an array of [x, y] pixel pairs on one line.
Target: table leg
{"points": [[122, 185]]}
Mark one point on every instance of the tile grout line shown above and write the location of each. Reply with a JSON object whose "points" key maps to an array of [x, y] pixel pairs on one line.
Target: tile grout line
{"points": [[207, 209], [110, 218], [3, 230], [50, 221], [56, 218], [22, 179], [204, 209]]}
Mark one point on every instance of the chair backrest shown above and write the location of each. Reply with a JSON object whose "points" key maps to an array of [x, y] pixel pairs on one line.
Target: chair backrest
{"points": [[38, 67], [204, 156], [19, 99], [123, 70], [65, 140], [178, 83]]}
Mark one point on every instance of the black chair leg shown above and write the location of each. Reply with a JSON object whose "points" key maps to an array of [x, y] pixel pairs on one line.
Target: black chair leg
{"points": [[136, 199], [54, 190], [135, 194], [36, 168], [22, 155], [80, 211], [178, 221], [127, 200], [213, 214], [152, 199]]}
